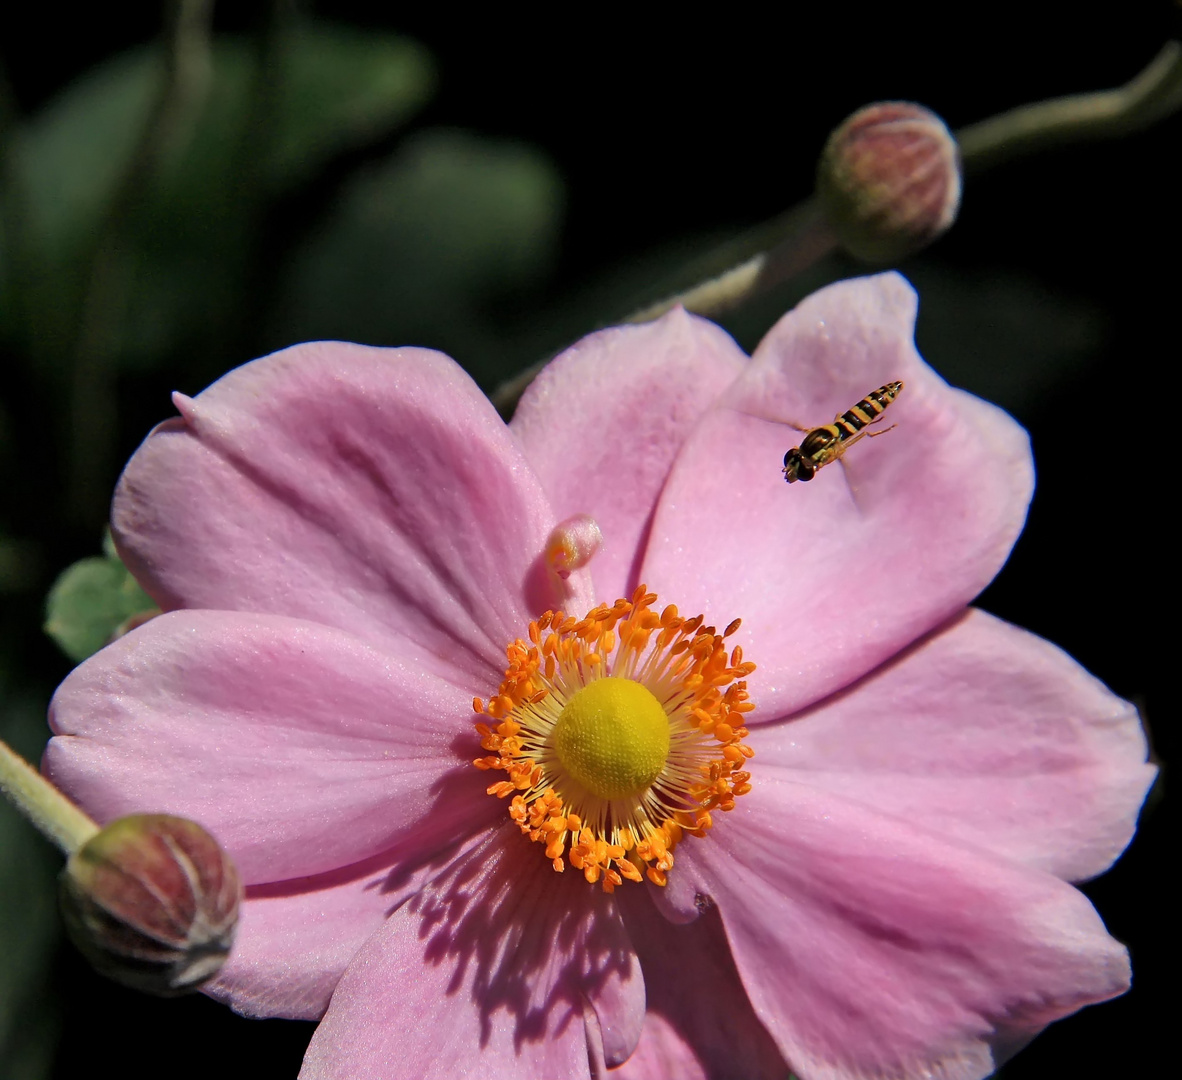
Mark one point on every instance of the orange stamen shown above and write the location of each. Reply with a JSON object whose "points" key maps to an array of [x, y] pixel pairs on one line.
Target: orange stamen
{"points": [[703, 691]]}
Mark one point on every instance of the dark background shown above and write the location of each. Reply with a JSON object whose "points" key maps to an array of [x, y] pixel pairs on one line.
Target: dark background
{"points": [[1049, 296]]}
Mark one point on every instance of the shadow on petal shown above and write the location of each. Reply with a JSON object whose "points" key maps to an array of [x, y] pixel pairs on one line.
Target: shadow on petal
{"points": [[530, 942], [503, 956]]}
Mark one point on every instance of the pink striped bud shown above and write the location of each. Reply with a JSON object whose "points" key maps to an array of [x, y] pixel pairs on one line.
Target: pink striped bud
{"points": [[152, 902], [889, 180]]}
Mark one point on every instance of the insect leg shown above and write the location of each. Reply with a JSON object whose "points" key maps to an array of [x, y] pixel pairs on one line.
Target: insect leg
{"points": [[843, 446]]}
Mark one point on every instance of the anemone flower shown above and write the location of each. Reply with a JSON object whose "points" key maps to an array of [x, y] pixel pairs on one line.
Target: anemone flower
{"points": [[502, 812]]}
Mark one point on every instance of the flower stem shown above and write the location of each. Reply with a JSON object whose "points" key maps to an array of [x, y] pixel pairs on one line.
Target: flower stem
{"points": [[767, 255], [725, 278], [46, 807], [1150, 96], [791, 243]]}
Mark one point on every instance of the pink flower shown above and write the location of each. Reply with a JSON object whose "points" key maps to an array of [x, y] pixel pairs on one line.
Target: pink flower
{"points": [[346, 540]]}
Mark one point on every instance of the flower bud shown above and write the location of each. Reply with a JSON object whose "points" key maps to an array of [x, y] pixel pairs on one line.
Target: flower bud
{"points": [[889, 180], [152, 902], [572, 544]]}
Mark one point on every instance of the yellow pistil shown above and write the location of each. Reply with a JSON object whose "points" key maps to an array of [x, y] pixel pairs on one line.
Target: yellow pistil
{"points": [[619, 733]]}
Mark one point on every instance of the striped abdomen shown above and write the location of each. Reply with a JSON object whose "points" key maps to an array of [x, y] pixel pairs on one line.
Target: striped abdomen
{"points": [[869, 409], [827, 443]]}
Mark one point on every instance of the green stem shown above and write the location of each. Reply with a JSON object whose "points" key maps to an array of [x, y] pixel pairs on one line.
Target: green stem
{"points": [[46, 807], [1150, 96], [791, 243], [750, 264], [775, 252]]}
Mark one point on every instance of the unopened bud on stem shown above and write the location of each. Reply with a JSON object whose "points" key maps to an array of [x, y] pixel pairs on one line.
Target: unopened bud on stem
{"points": [[889, 180], [152, 902]]}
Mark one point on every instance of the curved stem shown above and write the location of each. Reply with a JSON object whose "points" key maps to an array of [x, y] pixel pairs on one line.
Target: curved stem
{"points": [[789, 244], [47, 808], [1150, 96], [784, 247], [753, 263]]}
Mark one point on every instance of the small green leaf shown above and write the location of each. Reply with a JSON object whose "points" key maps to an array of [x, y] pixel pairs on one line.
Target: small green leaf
{"points": [[90, 602]]}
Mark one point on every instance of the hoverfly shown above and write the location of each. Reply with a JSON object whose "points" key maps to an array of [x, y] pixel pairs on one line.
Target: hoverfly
{"points": [[827, 443]]}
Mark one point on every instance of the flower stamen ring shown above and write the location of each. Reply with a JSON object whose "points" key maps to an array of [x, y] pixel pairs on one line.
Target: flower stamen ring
{"points": [[619, 733]]}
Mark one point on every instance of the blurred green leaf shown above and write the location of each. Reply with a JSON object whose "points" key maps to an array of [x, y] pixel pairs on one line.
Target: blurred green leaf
{"points": [[29, 930], [61, 169], [1005, 337], [429, 248], [71, 155], [20, 565], [342, 88], [255, 135], [90, 601]]}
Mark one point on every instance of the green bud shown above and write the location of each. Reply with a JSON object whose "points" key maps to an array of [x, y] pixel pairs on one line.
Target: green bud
{"points": [[152, 902], [889, 180]]}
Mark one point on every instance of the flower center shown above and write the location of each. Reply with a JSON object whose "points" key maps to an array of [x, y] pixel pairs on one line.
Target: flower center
{"points": [[613, 738], [619, 733]]}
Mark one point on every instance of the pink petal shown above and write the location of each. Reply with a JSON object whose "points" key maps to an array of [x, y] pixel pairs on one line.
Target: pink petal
{"points": [[374, 490], [488, 972], [301, 748], [987, 734], [665, 1053], [296, 938], [872, 949], [834, 576], [603, 422], [699, 1023]]}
